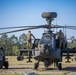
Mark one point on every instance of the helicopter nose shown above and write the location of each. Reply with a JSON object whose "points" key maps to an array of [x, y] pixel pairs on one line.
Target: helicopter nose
{"points": [[44, 49], [41, 48]]}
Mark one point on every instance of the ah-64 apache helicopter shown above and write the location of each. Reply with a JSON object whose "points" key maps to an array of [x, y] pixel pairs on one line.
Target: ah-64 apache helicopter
{"points": [[47, 48]]}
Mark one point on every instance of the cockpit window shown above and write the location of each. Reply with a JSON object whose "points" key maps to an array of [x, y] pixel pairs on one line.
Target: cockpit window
{"points": [[46, 39]]}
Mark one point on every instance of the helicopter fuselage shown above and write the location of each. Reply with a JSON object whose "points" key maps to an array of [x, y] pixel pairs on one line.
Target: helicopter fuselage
{"points": [[46, 49]]}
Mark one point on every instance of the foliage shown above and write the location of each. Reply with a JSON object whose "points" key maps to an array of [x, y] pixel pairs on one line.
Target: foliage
{"points": [[71, 45], [12, 44]]}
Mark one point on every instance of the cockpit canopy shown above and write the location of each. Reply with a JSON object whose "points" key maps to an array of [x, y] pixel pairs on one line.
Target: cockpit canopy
{"points": [[46, 39]]}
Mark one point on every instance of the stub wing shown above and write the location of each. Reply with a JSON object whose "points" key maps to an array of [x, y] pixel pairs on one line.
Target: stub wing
{"points": [[68, 53]]}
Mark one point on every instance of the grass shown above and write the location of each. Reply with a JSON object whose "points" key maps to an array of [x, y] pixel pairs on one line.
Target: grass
{"points": [[13, 61], [36, 74], [11, 74]]}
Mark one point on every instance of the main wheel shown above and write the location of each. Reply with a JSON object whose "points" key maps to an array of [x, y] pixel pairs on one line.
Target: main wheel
{"points": [[6, 64], [60, 66], [36, 65], [1, 66], [46, 64]]}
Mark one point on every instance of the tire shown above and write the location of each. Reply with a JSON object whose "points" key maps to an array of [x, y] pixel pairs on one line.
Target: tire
{"points": [[6, 64], [1, 65], [60, 66], [46, 64], [36, 65]]}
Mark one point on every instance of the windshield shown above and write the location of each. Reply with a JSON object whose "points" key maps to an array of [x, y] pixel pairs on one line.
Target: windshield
{"points": [[46, 39]]}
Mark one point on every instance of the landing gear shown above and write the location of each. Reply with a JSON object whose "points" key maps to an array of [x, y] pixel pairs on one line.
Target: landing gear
{"points": [[1, 65], [46, 64], [36, 65], [60, 66], [6, 64]]}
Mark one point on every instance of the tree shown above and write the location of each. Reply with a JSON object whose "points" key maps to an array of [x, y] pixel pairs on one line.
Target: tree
{"points": [[75, 40], [12, 44], [13, 39], [72, 39], [4, 38], [72, 44], [4, 42], [22, 40], [14, 50]]}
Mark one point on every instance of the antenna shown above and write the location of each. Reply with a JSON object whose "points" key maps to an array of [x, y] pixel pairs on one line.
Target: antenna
{"points": [[56, 24], [65, 31]]}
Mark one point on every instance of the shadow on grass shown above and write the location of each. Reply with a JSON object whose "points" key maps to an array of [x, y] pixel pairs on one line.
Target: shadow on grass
{"points": [[20, 68], [71, 69]]}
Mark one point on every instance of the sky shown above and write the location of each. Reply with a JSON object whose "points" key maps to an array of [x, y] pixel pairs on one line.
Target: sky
{"points": [[28, 13]]}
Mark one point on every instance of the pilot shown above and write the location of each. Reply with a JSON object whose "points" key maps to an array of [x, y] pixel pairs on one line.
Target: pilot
{"points": [[29, 39], [61, 39]]}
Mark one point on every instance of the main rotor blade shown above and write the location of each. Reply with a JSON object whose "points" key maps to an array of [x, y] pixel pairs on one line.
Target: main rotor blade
{"points": [[20, 30], [58, 26], [36, 27], [68, 27], [28, 28], [16, 27]]}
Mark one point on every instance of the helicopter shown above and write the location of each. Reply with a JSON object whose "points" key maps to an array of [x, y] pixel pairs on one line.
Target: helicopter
{"points": [[47, 48]]}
